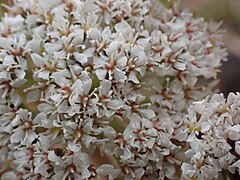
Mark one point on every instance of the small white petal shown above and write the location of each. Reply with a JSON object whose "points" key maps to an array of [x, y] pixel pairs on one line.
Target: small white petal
{"points": [[148, 113], [29, 138], [56, 97], [105, 86], [44, 75], [180, 66], [115, 104], [8, 60], [54, 158], [94, 33], [73, 147], [101, 73], [63, 107], [133, 77], [38, 60], [50, 47], [17, 136], [82, 58], [33, 95], [20, 73]]}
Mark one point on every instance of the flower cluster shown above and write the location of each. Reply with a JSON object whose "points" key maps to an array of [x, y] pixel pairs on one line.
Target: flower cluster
{"points": [[211, 132], [112, 82]]}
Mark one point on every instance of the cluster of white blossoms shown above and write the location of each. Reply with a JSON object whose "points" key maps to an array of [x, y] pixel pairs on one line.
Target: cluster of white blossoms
{"points": [[113, 82]]}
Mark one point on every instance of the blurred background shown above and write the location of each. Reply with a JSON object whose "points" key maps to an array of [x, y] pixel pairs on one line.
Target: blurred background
{"points": [[227, 11]]}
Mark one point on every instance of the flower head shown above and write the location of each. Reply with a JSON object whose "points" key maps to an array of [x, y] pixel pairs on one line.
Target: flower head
{"points": [[112, 80]]}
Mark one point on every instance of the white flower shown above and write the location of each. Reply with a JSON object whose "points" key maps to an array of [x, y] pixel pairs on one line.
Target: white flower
{"points": [[45, 65], [25, 131], [104, 104], [116, 78], [112, 65], [74, 166]]}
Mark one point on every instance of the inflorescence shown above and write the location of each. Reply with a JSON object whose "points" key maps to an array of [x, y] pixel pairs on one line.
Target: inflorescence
{"points": [[118, 89]]}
